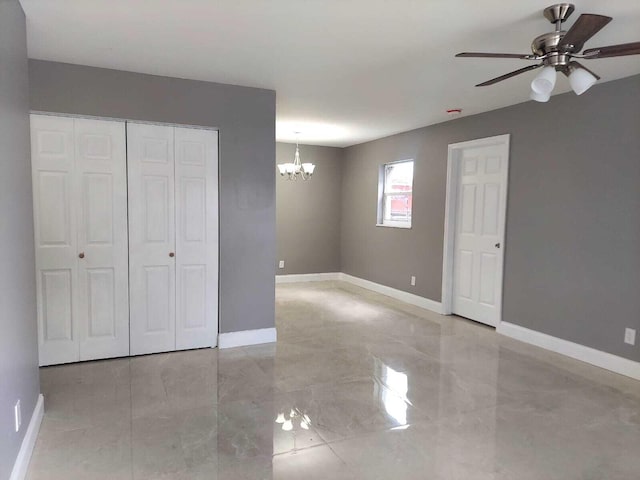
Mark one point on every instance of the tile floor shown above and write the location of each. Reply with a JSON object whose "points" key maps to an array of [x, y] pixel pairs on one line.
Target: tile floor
{"points": [[359, 386]]}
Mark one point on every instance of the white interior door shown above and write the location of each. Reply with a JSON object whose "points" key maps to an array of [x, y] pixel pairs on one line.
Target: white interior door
{"points": [[103, 277], [150, 154], [196, 156], [54, 194], [479, 230]]}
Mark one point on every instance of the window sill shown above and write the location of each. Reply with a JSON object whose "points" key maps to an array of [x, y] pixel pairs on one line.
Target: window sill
{"points": [[406, 227]]}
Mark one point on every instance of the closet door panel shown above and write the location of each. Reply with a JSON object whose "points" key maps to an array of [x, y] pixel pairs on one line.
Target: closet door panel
{"points": [[151, 238], [196, 155], [54, 194], [103, 277]]}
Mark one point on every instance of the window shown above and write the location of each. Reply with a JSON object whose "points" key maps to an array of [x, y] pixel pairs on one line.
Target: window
{"points": [[395, 194]]}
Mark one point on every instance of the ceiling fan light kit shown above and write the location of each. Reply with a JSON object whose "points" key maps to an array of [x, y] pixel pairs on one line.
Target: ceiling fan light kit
{"points": [[557, 50], [539, 97], [545, 81], [581, 80]]}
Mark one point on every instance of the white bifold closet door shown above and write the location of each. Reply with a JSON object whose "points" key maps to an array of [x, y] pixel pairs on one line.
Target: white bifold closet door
{"points": [[196, 202], [80, 211], [173, 237]]}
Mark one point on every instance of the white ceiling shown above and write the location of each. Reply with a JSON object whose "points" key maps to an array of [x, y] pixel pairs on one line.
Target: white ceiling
{"points": [[345, 71]]}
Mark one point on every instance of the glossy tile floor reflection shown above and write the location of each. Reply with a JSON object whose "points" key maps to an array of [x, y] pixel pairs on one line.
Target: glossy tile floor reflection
{"points": [[359, 386]]}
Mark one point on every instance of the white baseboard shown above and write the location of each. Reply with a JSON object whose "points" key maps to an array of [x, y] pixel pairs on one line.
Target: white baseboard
{"points": [[407, 297], [307, 277], [585, 354], [21, 464], [360, 282], [247, 337], [601, 359]]}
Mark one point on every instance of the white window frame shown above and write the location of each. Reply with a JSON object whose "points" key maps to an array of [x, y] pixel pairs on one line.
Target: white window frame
{"points": [[382, 195]]}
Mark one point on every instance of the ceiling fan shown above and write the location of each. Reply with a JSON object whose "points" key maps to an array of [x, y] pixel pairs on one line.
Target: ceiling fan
{"points": [[557, 50]]}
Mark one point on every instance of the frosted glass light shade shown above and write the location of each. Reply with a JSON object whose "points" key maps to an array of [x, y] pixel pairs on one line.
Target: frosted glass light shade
{"points": [[289, 167], [539, 97], [581, 80], [282, 168], [287, 426], [308, 168], [544, 81]]}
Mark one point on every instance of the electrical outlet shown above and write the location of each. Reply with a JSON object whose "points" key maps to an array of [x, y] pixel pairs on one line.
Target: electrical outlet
{"points": [[630, 336], [17, 412], [413, 281], [281, 264]]}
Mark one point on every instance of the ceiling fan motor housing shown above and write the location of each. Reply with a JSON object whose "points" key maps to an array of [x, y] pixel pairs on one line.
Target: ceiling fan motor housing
{"points": [[547, 45], [559, 12]]}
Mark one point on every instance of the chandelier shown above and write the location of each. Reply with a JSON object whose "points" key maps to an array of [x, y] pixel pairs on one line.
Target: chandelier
{"points": [[295, 170]]}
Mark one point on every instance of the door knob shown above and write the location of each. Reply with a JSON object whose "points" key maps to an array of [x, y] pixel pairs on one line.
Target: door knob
{"points": [[497, 245], [171, 254], [81, 255]]}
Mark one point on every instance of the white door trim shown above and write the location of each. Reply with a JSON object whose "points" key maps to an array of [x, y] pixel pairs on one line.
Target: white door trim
{"points": [[453, 174], [121, 119]]}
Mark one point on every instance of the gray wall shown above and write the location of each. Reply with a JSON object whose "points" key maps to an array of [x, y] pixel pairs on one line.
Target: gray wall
{"points": [[308, 212], [391, 255], [19, 339], [246, 119], [572, 259]]}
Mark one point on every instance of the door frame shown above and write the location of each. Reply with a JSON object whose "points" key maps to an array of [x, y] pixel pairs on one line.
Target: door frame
{"points": [[451, 204]]}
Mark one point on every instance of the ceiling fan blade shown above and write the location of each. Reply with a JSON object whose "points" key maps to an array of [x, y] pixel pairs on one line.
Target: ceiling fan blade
{"points": [[613, 51], [496, 55], [508, 75], [567, 71], [582, 30]]}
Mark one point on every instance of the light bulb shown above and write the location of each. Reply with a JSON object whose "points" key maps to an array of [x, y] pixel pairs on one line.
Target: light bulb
{"points": [[544, 81], [581, 80]]}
